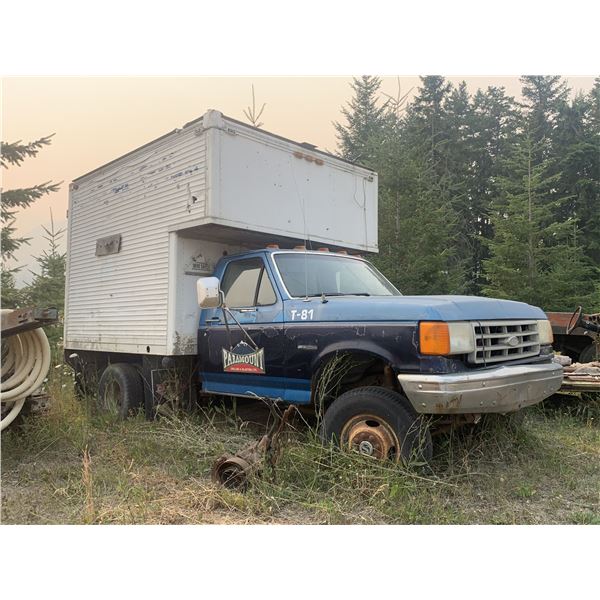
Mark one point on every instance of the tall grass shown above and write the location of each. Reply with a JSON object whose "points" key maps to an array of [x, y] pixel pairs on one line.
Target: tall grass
{"points": [[71, 465]]}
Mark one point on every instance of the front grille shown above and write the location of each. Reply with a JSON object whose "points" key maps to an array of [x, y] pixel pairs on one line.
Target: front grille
{"points": [[498, 341]]}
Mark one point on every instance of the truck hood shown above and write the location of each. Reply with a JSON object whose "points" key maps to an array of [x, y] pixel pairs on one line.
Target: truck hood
{"points": [[419, 308]]}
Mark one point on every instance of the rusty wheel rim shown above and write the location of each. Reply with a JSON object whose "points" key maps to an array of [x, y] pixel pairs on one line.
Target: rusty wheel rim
{"points": [[371, 436]]}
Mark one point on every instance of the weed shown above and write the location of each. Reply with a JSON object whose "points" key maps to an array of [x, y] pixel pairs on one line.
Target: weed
{"points": [[586, 518], [86, 477], [72, 466]]}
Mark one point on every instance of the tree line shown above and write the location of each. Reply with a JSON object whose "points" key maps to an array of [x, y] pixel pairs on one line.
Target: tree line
{"points": [[481, 193], [478, 193]]}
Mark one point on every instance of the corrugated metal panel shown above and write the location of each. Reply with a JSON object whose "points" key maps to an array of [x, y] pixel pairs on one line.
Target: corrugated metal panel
{"points": [[119, 302]]}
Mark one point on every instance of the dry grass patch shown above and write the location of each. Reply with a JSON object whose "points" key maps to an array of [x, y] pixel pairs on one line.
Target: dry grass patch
{"points": [[70, 466]]}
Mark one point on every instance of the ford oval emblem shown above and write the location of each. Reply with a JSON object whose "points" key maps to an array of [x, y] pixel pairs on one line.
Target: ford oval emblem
{"points": [[512, 341]]}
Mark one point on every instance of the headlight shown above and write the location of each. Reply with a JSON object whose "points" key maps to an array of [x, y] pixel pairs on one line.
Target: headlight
{"points": [[439, 338], [545, 332]]}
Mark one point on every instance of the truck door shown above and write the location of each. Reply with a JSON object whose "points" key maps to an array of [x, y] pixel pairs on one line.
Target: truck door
{"points": [[229, 363]]}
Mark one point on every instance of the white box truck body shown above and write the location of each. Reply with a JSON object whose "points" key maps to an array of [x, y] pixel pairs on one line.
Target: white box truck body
{"points": [[144, 227]]}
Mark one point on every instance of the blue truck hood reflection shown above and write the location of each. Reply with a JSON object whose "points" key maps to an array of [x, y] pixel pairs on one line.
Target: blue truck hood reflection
{"points": [[415, 308]]}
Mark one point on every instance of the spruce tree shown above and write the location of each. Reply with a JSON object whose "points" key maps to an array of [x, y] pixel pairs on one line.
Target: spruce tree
{"points": [[544, 96], [417, 251], [533, 257], [417, 220], [11, 295], [493, 125], [591, 219], [483, 193], [577, 148], [47, 287], [427, 124], [14, 154], [365, 121], [459, 155], [436, 139]]}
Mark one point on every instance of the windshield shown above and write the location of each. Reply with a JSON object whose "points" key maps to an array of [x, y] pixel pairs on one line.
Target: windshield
{"points": [[307, 274]]}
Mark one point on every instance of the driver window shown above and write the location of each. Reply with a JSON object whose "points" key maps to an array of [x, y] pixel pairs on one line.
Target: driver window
{"points": [[246, 284]]}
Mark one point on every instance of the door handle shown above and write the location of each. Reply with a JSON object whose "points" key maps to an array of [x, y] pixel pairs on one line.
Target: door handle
{"points": [[213, 320]]}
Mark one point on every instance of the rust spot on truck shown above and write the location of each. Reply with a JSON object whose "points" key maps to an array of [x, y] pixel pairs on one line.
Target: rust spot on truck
{"points": [[451, 406]]}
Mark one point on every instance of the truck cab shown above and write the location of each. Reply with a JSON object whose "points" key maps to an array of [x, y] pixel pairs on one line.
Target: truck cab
{"points": [[275, 323]]}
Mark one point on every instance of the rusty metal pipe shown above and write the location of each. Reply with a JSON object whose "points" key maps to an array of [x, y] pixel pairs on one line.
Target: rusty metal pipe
{"points": [[234, 471]]}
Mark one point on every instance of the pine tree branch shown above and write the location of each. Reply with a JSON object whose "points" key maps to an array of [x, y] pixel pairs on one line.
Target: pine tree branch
{"points": [[9, 244], [23, 197], [15, 153]]}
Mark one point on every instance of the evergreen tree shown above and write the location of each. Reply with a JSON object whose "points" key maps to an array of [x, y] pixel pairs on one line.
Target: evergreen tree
{"points": [[426, 122], [436, 138], [416, 249], [459, 156], [544, 96], [591, 218], [365, 122], [594, 98], [417, 220], [11, 295], [13, 155], [493, 125], [533, 257], [483, 193], [577, 148], [47, 287]]}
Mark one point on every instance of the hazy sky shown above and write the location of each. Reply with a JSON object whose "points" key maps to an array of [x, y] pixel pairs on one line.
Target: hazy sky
{"points": [[98, 119]]}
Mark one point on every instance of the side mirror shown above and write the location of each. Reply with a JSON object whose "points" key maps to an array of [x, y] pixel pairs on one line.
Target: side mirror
{"points": [[209, 293]]}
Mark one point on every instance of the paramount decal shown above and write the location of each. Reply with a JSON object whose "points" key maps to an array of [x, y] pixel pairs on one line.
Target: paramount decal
{"points": [[243, 359]]}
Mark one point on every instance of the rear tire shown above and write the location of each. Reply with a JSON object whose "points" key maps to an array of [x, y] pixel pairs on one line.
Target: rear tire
{"points": [[378, 422], [590, 353], [120, 390]]}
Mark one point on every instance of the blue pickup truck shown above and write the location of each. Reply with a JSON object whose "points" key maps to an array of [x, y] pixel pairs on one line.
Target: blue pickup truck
{"points": [[327, 329]]}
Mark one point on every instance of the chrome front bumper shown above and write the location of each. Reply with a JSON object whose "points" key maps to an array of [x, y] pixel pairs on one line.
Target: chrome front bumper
{"points": [[497, 390]]}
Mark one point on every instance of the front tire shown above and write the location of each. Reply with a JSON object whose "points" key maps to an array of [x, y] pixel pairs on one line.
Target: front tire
{"points": [[120, 390], [378, 422]]}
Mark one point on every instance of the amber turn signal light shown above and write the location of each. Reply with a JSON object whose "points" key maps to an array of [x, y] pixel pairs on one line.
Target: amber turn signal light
{"points": [[434, 338]]}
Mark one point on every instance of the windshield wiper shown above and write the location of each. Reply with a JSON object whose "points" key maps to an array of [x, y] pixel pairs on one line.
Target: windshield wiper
{"points": [[339, 294]]}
